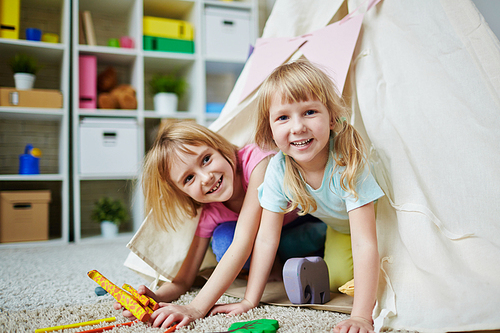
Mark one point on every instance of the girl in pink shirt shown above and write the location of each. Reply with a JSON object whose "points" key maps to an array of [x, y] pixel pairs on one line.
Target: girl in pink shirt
{"points": [[188, 169]]}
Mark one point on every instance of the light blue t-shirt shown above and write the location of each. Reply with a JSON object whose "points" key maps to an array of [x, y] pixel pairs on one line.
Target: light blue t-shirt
{"points": [[333, 202]]}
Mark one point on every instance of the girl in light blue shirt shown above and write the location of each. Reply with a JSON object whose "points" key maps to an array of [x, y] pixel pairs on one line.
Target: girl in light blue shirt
{"points": [[321, 169]]}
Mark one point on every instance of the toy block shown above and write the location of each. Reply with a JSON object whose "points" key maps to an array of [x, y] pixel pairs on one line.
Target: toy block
{"points": [[122, 297]]}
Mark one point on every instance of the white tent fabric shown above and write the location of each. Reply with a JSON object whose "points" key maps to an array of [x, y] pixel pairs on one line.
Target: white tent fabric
{"points": [[426, 95], [428, 90]]}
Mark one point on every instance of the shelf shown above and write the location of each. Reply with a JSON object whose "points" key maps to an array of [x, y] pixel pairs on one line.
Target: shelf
{"points": [[20, 113], [209, 79], [178, 114], [45, 52], [107, 113], [31, 178], [110, 55], [108, 176]]}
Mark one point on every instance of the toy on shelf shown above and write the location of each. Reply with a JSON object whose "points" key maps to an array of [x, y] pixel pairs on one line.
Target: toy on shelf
{"points": [[128, 301], [114, 96], [306, 280], [29, 162]]}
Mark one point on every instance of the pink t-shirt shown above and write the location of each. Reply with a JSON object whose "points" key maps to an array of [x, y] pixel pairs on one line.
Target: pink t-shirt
{"points": [[216, 213]]}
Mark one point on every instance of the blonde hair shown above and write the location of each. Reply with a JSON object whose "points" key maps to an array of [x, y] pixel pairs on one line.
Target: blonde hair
{"points": [[167, 203], [300, 81]]}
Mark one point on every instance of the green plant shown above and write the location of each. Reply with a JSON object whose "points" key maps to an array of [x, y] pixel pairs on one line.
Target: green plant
{"points": [[23, 63], [169, 83], [109, 209]]}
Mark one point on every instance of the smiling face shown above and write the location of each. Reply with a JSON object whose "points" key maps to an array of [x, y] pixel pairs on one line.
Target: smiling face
{"points": [[202, 173], [301, 130]]}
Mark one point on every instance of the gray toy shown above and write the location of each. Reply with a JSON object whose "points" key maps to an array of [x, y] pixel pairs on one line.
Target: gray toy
{"points": [[306, 280]]}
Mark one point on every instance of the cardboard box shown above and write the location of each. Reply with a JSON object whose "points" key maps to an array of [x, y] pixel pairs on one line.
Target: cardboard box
{"points": [[36, 98], [167, 28], [152, 43], [24, 216], [109, 146], [227, 33]]}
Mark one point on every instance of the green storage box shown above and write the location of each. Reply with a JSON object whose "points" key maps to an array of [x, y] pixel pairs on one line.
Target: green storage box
{"points": [[152, 43]]}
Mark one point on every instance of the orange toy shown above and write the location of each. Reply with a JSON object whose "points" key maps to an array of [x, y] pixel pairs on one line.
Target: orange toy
{"points": [[140, 310]]}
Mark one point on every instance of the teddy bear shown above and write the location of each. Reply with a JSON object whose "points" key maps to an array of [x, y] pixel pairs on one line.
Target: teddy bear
{"points": [[114, 96]]}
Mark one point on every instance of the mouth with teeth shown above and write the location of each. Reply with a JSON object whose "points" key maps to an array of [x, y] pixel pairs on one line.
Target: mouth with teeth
{"points": [[216, 187], [302, 143]]}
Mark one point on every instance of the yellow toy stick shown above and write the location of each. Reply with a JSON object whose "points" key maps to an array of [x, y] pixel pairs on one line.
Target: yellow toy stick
{"points": [[144, 299], [141, 298], [125, 299], [87, 323]]}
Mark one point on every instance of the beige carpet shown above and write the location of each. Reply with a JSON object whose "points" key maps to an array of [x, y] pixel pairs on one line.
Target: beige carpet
{"points": [[47, 286]]}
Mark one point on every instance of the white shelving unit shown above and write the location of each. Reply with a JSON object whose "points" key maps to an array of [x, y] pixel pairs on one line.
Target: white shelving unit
{"points": [[116, 18], [47, 129]]}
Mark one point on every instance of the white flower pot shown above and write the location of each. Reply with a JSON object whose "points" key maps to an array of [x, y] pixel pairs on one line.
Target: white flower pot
{"points": [[165, 103], [24, 81], [109, 229]]}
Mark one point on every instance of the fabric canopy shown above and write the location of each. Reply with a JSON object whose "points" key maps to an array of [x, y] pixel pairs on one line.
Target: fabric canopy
{"points": [[427, 81]]}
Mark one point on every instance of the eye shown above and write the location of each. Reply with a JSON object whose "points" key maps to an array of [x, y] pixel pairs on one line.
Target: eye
{"points": [[282, 118], [206, 159], [310, 112], [188, 179]]}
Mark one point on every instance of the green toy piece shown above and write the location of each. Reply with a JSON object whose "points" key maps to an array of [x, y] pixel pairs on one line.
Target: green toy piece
{"points": [[255, 326]]}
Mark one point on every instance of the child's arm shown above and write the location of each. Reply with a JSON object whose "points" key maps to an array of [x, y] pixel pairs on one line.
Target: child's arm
{"points": [[230, 265], [263, 255], [184, 279], [366, 269]]}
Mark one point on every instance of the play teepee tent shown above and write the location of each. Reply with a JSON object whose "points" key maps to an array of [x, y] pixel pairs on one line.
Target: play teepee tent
{"points": [[425, 89]]}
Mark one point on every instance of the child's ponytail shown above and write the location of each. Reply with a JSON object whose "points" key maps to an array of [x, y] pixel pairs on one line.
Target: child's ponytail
{"points": [[350, 153]]}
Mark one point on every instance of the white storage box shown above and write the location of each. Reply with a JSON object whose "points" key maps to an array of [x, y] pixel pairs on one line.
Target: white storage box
{"points": [[227, 33], [108, 146]]}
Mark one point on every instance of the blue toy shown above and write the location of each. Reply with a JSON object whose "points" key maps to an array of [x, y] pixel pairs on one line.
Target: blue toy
{"points": [[29, 164], [306, 280]]}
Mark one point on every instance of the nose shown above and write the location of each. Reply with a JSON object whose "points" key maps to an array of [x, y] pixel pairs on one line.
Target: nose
{"points": [[297, 126], [206, 178]]}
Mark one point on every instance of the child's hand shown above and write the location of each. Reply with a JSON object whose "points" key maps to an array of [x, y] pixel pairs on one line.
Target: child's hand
{"points": [[233, 308], [354, 325], [142, 290], [168, 314]]}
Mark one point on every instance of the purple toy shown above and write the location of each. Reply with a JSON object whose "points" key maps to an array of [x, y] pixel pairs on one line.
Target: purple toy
{"points": [[306, 280]]}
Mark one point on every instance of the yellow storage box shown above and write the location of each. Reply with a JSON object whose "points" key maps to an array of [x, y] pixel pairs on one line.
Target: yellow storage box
{"points": [[9, 18], [167, 28]]}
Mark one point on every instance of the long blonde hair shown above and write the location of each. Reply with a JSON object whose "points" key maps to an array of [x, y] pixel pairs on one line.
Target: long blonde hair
{"points": [[166, 202], [302, 81]]}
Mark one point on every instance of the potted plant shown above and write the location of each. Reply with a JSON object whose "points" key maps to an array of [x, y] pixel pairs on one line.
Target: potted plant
{"points": [[25, 68], [167, 90], [110, 213]]}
